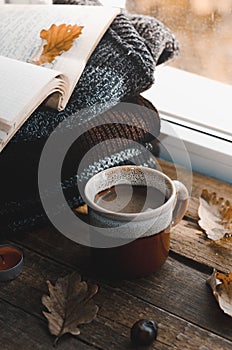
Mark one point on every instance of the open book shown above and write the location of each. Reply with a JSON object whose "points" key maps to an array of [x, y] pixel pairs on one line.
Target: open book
{"points": [[24, 85]]}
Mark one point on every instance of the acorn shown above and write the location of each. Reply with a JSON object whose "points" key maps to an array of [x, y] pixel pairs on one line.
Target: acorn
{"points": [[143, 332]]}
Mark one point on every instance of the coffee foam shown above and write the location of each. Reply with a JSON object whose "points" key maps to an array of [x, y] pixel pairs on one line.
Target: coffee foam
{"points": [[128, 175]]}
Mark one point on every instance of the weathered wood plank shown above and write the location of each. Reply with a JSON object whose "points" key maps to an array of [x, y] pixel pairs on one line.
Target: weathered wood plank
{"points": [[173, 331], [182, 291], [189, 241], [177, 288], [20, 330], [114, 333], [199, 181], [112, 303], [26, 292], [51, 244]]}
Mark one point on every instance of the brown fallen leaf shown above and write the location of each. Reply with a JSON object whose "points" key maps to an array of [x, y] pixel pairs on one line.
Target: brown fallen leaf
{"points": [[222, 289], [82, 210], [70, 304], [59, 39], [215, 215]]}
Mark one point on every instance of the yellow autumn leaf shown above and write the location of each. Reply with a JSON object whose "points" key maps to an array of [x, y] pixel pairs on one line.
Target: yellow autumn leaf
{"points": [[215, 215], [222, 290], [82, 209], [59, 39]]}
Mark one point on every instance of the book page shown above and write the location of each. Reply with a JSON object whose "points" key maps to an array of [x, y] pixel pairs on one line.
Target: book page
{"points": [[20, 27], [3, 138], [23, 87]]}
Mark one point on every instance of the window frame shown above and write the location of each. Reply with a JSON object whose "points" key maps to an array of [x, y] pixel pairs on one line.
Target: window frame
{"points": [[207, 133], [208, 144]]}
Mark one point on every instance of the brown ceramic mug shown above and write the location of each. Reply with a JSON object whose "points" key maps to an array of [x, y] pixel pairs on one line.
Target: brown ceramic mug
{"points": [[133, 244]]}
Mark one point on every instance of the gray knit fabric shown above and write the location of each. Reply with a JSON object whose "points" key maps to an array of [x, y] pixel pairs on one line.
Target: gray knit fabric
{"points": [[122, 66], [158, 38]]}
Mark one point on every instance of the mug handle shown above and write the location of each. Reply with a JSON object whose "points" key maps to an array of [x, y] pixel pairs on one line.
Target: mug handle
{"points": [[181, 205]]}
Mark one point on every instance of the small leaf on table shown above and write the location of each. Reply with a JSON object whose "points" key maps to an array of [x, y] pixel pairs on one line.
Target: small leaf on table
{"points": [[70, 304], [215, 215], [82, 209], [222, 289]]}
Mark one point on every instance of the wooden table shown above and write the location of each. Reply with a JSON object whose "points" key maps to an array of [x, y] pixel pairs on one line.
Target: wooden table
{"points": [[176, 297]]}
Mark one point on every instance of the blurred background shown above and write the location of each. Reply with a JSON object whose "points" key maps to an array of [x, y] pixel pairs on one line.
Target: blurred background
{"points": [[203, 29]]}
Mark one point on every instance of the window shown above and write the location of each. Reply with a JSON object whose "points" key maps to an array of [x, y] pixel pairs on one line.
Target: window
{"points": [[203, 29], [196, 106]]}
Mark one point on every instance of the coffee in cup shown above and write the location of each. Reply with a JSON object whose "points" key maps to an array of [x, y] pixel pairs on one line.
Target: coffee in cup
{"points": [[132, 210]]}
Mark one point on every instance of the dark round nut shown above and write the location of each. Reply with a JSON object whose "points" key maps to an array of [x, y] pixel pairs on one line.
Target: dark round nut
{"points": [[143, 332]]}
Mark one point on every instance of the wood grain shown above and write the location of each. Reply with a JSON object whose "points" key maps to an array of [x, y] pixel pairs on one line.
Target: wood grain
{"points": [[119, 309], [21, 330], [174, 286], [177, 297], [188, 239]]}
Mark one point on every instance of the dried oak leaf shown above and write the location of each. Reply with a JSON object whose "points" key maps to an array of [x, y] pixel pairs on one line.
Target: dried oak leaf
{"points": [[69, 304], [222, 289], [215, 215], [59, 39]]}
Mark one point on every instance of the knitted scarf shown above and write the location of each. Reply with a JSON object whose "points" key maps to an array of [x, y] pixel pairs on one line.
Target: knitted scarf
{"points": [[121, 67]]}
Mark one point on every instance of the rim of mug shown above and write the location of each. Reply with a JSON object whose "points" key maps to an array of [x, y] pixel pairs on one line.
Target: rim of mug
{"points": [[116, 214]]}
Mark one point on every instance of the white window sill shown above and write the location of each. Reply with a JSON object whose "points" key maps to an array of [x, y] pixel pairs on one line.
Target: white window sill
{"points": [[198, 111]]}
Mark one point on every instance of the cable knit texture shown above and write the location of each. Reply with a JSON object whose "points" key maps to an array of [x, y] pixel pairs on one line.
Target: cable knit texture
{"points": [[121, 67]]}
